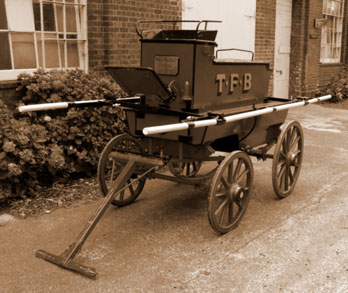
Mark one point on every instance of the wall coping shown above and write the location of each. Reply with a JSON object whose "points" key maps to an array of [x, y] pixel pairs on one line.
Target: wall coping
{"points": [[9, 84]]}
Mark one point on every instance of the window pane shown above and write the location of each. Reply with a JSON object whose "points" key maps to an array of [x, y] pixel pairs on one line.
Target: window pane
{"points": [[73, 56], [39, 53], [5, 59], [37, 16], [70, 18], [62, 55], [3, 18], [60, 21], [51, 51], [20, 15], [48, 17], [71, 36], [23, 50]]}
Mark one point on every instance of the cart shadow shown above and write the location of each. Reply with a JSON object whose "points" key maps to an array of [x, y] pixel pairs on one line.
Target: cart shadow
{"points": [[176, 204]]}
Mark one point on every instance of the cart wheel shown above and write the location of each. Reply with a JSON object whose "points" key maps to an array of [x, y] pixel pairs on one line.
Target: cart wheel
{"points": [[229, 194], [287, 159], [186, 169], [109, 168]]}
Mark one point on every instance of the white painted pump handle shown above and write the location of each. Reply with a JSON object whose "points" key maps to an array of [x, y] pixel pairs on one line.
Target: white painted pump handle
{"points": [[43, 107], [228, 119]]}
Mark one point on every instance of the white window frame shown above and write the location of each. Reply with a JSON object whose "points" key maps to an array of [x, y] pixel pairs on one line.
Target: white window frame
{"points": [[81, 38], [331, 37]]}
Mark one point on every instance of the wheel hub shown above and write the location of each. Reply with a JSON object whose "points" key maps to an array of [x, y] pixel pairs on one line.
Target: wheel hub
{"points": [[235, 192], [290, 159]]}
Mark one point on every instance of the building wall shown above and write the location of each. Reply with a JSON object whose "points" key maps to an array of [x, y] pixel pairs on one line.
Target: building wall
{"points": [[112, 38], [265, 33], [237, 27]]}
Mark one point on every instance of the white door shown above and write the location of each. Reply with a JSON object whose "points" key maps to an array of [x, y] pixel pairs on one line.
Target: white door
{"points": [[282, 49], [237, 29]]}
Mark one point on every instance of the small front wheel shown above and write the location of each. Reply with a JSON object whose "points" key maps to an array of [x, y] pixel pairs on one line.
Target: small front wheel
{"points": [[109, 168], [287, 159], [229, 194]]}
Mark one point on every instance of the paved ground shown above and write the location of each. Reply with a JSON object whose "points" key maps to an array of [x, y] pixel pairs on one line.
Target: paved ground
{"points": [[163, 242]]}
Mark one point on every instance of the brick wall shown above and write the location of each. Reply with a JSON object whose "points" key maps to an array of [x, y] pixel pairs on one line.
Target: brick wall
{"points": [[312, 39], [298, 33], [305, 48], [307, 74], [95, 9], [265, 33], [112, 39]]}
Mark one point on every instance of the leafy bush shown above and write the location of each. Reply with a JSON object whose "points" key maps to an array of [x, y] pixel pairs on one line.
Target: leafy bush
{"points": [[337, 87], [37, 148]]}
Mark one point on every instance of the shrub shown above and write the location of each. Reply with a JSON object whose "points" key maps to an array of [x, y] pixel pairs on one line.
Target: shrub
{"points": [[37, 148], [337, 87]]}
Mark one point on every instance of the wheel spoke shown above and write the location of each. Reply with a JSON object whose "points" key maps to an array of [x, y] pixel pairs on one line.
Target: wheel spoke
{"points": [[286, 178], [236, 172], [130, 188], [281, 163], [230, 173], [230, 212], [281, 153], [285, 150], [122, 195], [297, 153], [288, 139], [281, 176], [239, 204], [112, 174], [293, 144], [195, 166], [221, 207], [226, 185], [223, 215], [281, 171], [241, 176], [291, 176], [292, 136], [221, 194], [188, 169]]}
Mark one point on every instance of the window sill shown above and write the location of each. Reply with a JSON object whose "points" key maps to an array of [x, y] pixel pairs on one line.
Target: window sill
{"points": [[331, 64]]}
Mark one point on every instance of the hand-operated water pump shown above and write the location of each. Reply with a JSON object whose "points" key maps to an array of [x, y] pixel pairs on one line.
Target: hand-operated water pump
{"points": [[187, 107]]}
